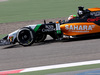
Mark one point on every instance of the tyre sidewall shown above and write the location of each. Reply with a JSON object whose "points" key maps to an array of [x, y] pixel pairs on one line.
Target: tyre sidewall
{"points": [[40, 38], [32, 34]]}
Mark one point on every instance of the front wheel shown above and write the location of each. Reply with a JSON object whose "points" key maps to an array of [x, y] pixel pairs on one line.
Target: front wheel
{"points": [[40, 37], [25, 37]]}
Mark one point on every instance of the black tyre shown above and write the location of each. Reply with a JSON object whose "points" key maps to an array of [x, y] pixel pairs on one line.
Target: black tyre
{"points": [[25, 37], [40, 37]]}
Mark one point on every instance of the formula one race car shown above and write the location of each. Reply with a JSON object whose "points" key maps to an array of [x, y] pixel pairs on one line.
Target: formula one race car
{"points": [[87, 22]]}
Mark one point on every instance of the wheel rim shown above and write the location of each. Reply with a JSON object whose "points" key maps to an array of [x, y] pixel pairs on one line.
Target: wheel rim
{"points": [[25, 37]]}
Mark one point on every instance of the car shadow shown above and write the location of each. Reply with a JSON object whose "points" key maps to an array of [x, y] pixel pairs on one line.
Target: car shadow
{"points": [[12, 46], [82, 38], [34, 44], [50, 41]]}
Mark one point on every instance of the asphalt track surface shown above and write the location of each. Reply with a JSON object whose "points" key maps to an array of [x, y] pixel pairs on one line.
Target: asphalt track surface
{"points": [[49, 53]]}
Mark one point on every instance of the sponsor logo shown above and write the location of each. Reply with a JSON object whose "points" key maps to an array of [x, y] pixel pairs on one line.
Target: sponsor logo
{"points": [[11, 38], [93, 19], [48, 28], [79, 28], [95, 13]]}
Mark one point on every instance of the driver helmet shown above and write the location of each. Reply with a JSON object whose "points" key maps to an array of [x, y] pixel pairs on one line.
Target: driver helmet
{"points": [[81, 8], [71, 17], [80, 11]]}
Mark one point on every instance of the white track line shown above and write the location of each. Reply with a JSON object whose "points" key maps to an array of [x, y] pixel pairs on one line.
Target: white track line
{"points": [[61, 66], [50, 67]]}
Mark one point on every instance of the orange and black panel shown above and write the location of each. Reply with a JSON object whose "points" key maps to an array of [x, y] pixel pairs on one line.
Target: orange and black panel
{"points": [[72, 29]]}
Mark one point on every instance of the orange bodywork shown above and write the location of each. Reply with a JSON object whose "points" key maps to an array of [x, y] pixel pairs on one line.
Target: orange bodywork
{"points": [[81, 28], [72, 29], [94, 9]]}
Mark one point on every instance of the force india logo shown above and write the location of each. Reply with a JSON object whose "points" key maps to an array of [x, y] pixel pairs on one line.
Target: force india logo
{"points": [[93, 19], [79, 28]]}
